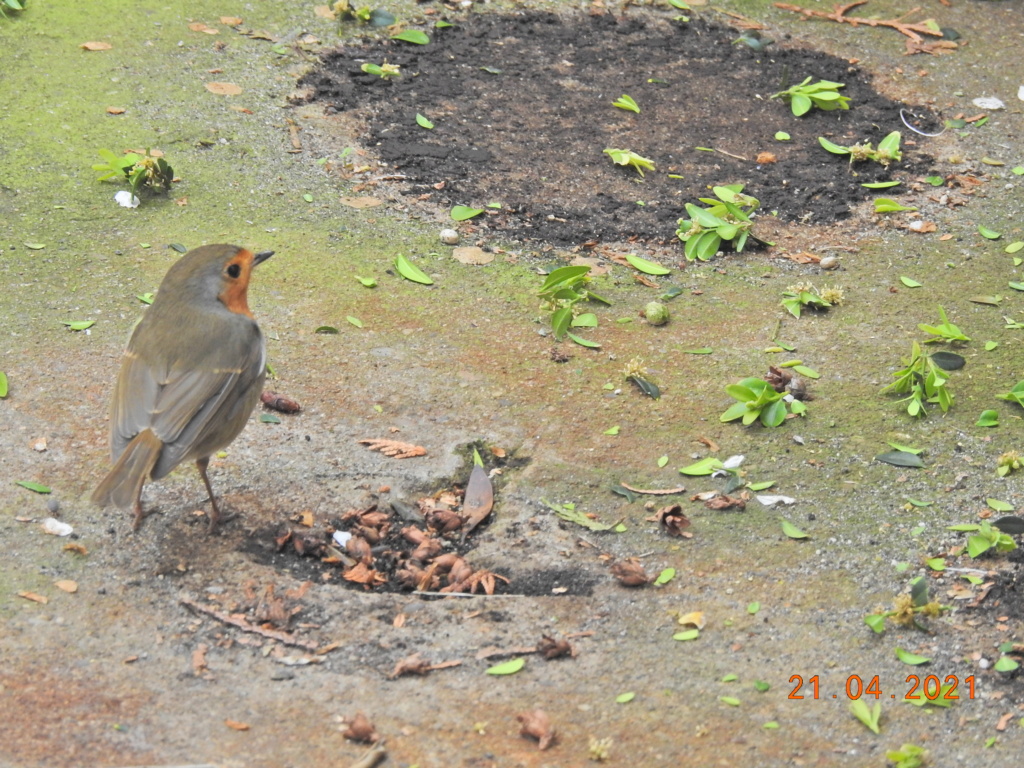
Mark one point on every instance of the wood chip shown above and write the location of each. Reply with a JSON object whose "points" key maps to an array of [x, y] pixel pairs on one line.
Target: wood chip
{"points": [[235, 725], [224, 89], [115, 110], [66, 585], [231, 21], [34, 597], [96, 46]]}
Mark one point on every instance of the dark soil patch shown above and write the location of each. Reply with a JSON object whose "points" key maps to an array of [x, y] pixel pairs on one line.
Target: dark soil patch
{"points": [[522, 111]]}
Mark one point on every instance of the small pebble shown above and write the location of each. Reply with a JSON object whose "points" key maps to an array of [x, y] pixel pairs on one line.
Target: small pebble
{"points": [[52, 505], [449, 237], [829, 262]]}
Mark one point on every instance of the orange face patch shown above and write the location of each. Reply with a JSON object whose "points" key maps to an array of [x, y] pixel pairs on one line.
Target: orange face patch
{"points": [[237, 271]]}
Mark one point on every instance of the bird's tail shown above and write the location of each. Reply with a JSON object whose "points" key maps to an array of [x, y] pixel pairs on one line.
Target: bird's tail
{"points": [[123, 484]]}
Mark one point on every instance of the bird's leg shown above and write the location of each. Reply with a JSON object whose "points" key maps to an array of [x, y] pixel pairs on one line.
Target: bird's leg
{"points": [[215, 514], [139, 514]]}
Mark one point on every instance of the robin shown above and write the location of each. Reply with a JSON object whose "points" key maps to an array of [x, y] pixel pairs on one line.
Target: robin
{"points": [[190, 377]]}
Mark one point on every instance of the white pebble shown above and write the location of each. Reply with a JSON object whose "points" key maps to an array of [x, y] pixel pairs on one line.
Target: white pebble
{"points": [[449, 237]]}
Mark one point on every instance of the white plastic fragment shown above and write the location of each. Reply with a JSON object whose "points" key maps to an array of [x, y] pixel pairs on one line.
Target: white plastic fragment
{"points": [[55, 527], [1020, 93], [771, 501], [733, 462], [988, 102], [341, 538], [127, 199]]}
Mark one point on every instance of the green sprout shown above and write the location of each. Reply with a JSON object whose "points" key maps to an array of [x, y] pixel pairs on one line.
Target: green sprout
{"points": [[888, 150], [11, 5], [945, 331], [1007, 463], [796, 297], [907, 756], [1015, 395], [986, 536], [627, 103], [562, 290], [823, 94], [727, 220], [923, 381], [627, 157], [639, 375], [140, 171], [757, 400], [383, 71]]}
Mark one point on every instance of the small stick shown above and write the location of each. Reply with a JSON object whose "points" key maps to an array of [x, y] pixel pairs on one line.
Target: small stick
{"points": [[242, 624], [374, 755]]}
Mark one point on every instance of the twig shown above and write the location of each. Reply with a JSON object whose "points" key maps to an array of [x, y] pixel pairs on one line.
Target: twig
{"points": [[242, 624], [461, 594], [730, 154], [913, 31], [374, 755]]}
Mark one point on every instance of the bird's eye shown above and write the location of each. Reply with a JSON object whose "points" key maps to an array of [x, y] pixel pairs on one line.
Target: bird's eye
{"points": [[234, 270]]}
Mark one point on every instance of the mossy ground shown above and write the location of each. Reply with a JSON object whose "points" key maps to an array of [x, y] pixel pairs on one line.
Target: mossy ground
{"points": [[460, 362]]}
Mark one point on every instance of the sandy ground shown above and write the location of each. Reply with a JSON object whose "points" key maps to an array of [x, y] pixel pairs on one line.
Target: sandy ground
{"points": [[121, 672]]}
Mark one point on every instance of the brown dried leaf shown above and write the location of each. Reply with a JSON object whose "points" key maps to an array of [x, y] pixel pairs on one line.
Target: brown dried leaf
{"points": [[78, 549], [938, 48], [726, 502], [198, 26], [479, 499], [394, 448], [96, 46], [778, 378], [361, 729], [277, 402], [362, 574], [630, 573], [361, 202], [224, 89], [537, 725], [550, 648], [35, 598], [359, 548], [323, 11], [922, 227], [115, 110], [411, 665], [231, 21], [66, 585], [471, 254], [236, 725], [711, 444], [199, 659], [654, 491], [766, 158], [672, 519]]}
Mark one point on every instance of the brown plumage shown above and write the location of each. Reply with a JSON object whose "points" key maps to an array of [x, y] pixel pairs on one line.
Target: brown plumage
{"points": [[190, 377]]}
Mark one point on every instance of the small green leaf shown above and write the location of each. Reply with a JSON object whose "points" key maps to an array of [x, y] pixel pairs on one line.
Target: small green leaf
{"points": [[355, 321], [810, 373], [665, 576], [612, 430], [792, 531], [662, 461], [442, 25], [464, 212], [936, 563], [730, 678], [645, 266], [625, 698], [146, 298], [35, 246], [37, 487], [412, 36], [988, 234], [689, 634], [491, 70], [1005, 664], [732, 701], [919, 503], [368, 282], [999, 506], [509, 667], [762, 686], [835, 149], [935, 181], [178, 247], [583, 342], [703, 467], [627, 103], [911, 658], [990, 345], [900, 459], [423, 122], [866, 714], [753, 608], [410, 271], [762, 486], [586, 320], [771, 725], [307, 197], [79, 325], [3, 393], [698, 351], [906, 448], [1014, 246], [876, 621], [909, 282], [269, 418], [880, 184], [782, 136], [1018, 171], [326, 329], [888, 205]]}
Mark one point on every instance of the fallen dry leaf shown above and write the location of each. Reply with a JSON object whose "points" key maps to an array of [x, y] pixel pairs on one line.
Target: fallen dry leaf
{"points": [[693, 618], [78, 549], [323, 11], [280, 403], [199, 659], [66, 585], [115, 110], [394, 448], [34, 597], [550, 648], [231, 21], [672, 519], [198, 26], [630, 573], [360, 729], [726, 502], [236, 726], [537, 724], [654, 491], [1004, 721], [96, 46], [711, 444], [766, 158], [478, 501], [922, 226], [471, 254], [361, 202], [224, 89], [411, 665]]}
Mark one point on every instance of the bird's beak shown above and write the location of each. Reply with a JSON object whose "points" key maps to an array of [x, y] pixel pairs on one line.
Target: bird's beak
{"points": [[262, 256]]}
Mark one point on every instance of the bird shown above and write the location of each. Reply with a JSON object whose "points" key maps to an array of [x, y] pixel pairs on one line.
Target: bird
{"points": [[190, 376]]}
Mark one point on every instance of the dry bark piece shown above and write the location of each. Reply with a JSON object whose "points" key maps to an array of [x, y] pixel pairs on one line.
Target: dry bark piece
{"points": [[394, 448], [277, 402], [913, 31], [630, 573], [726, 502], [236, 725], [654, 491], [224, 89], [361, 729], [537, 725]]}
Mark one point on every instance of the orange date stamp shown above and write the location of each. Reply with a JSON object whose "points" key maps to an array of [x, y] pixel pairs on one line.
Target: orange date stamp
{"points": [[914, 688]]}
